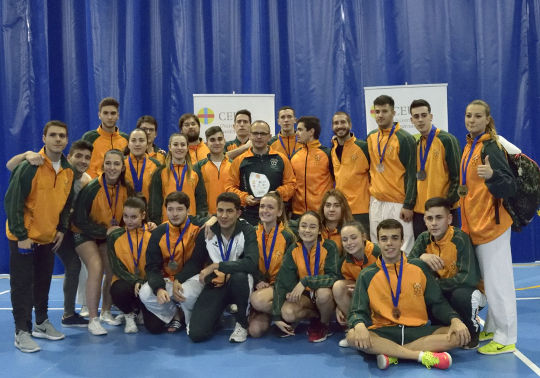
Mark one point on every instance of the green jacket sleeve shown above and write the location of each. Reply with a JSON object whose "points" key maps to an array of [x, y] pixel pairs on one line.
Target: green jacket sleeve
{"points": [[420, 245], [407, 156], [155, 202], [250, 259], [453, 158], [503, 183], [66, 211], [468, 271], [200, 194], [118, 268], [154, 260], [330, 269], [20, 185], [286, 279], [360, 311], [82, 218]]}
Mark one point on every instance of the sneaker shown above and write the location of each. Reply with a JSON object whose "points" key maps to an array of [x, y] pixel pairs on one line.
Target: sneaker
{"points": [[46, 330], [473, 344], [24, 342], [108, 318], [317, 331], [239, 334], [484, 336], [494, 347], [84, 311], [383, 361], [74, 320], [343, 343], [131, 326], [95, 327], [441, 360]]}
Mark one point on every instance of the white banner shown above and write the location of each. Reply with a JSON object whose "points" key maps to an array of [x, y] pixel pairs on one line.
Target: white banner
{"points": [[219, 110], [403, 95]]}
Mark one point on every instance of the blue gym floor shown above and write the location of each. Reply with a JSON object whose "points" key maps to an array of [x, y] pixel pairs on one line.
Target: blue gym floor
{"points": [[143, 355]]}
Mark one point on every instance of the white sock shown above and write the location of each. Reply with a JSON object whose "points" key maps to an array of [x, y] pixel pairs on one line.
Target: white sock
{"points": [[420, 357]]}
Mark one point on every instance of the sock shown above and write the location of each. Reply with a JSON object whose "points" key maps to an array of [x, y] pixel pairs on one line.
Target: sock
{"points": [[420, 357]]}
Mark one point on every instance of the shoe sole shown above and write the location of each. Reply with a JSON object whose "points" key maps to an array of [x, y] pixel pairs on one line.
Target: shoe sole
{"points": [[495, 353], [75, 325], [41, 335], [26, 350], [98, 333], [382, 362], [110, 322]]}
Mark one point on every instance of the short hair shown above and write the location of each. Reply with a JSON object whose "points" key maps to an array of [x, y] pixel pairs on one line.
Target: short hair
{"points": [[389, 224], [146, 119], [259, 121], [180, 197], [419, 103], [212, 130], [80, 144], [184, 117], [243, 111], [311, 122], [109, 101], [437, 202], [231, 198], [136, 202], [54, 123], [340, 112], [285, 108], [383, 100]]}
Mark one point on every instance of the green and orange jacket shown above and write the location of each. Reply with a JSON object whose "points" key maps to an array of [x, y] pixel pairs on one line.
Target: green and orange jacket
{"points": [[284, 239], [158, 255], [158, 154], [442, 170], [313, 171], [123, 259], [352, 173], [351, 267], [397, 183], [456, 250], [38, 201], [150, 167], [163, 183], [198, 151], [103, 141], [293, 269], [214, 179], [92, 214], [484, 197], [233, 144], [372, 300], [289, 147]]}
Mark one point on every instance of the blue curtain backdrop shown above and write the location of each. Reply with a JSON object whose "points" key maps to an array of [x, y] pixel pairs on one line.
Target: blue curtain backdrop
{"points": [[59, 58]]}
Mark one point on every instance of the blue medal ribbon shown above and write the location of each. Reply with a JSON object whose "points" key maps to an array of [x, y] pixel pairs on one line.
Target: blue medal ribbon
{"points": [[285, 149], [137, 180], [171, 255], [317, 258], [109, 198], [139, 248], [381, 156], [424, 155], [268, 260], [465, 166], [229, 248], [179, 184], [395, 298]]}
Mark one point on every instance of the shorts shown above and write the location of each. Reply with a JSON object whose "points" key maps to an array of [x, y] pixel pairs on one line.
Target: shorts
{"points": [[404, 335], [82, 238]]}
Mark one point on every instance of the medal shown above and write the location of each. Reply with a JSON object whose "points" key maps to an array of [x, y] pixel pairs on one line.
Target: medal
{"points": [[396, 313], [114, 222], [173, 265], [380, 166], [421, 175], [395, 298], [462, 190]]}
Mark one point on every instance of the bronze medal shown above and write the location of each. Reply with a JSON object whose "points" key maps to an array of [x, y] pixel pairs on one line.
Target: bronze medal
{"points": [[173, 265], [421, 175], [380, 167], [462, 190], [396, 313], [114, 222]]}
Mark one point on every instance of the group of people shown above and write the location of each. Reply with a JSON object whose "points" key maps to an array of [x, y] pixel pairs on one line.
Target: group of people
{"points": [[275, 229]]}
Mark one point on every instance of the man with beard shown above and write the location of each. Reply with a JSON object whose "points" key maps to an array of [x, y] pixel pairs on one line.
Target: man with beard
{"points": [[350, 159], [190, 126]]}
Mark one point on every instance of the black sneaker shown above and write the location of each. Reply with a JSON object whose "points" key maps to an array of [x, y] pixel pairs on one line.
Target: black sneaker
{"points": [[74, 320]]}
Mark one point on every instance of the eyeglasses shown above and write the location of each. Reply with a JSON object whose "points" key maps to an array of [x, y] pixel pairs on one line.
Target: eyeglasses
{"points": [[147, 130], [259, 134]]}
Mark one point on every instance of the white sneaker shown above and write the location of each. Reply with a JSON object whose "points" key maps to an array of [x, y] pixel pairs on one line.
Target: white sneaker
{"points": [[84, 311], [108, 318], [131, 326], [343, 343], [239, 334], [95, 327]]}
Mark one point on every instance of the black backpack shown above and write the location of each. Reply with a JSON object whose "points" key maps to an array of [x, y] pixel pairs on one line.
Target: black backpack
{"points": [[524, 204]]}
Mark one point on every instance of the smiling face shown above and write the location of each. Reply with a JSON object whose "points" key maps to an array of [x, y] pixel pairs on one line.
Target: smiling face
{"points": [[227, 215], [113, 165], [341, 126], [476, 119], [216, 143], [80, 160], [269, 210], [352, 241], [390, 242], [308, 229], [179, 148], [138, 142], [133, 217]]}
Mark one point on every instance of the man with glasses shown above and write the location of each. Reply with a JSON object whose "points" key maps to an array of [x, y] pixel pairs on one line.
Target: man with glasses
{"points": [[258, 171], [148, 124]]}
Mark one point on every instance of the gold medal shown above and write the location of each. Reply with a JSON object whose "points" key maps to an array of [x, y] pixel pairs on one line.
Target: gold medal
{"points": [[462, 190]]}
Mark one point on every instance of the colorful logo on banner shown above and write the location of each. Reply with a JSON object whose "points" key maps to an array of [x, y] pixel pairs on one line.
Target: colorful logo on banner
{"points": [[372, 111], [206, 115]]}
